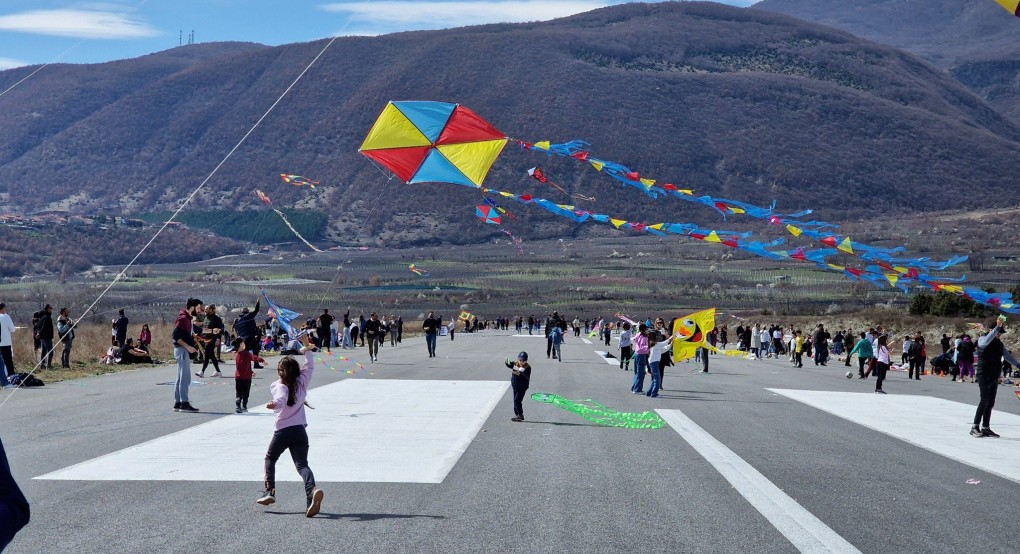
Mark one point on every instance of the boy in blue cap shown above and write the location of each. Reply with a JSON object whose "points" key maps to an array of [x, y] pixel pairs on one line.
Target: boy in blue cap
{"points": [[520, 380]]}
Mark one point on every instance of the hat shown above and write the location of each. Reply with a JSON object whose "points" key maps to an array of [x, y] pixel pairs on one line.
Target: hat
{"points": [[523, 356], [244, 310]]}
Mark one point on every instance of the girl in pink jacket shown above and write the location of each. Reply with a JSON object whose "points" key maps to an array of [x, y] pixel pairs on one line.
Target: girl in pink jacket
{"points": [[288, 404]]}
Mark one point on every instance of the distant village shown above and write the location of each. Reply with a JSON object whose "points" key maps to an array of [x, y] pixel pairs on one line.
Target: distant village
{"points": [[47, 220]]}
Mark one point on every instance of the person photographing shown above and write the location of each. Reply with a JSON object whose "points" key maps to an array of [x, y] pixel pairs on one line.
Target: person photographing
{"points": [[990, 352]]}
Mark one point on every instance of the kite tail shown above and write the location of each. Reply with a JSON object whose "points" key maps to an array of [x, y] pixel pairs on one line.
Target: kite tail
{"points": [[295, 231]]}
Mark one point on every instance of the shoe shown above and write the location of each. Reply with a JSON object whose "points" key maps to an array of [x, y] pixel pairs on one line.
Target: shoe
{"points": [[879, 391], [517, 418], [315, 504], [187, 407], [257, 366], [10, 386], [244, 409], [177, 406], [986, 432], [217, 374], [200, 375], [268, 498], [238, 410], [975, 432]]}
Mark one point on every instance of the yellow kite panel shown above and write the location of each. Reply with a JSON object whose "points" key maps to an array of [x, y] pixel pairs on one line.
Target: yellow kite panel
{"points": [[473, 159], [393, 130]]}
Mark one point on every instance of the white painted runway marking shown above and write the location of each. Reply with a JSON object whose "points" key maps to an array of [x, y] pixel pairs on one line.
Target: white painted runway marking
{"points": [[586, 341], [361, 431], [535, 336], [934, 424], [799, 526]]}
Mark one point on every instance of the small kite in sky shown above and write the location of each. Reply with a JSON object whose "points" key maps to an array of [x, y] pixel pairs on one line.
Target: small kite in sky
{"points": [[262, 196], [537, 174], [298, 180], [488, 214]]}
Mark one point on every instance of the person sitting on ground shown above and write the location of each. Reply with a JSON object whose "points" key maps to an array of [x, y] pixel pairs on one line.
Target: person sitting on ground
{"points": [[944, 364], [292, 347], [128, 354]]}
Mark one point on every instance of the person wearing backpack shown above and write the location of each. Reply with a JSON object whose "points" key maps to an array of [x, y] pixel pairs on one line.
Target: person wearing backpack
{"points": [[65, 329], [556, 337], [44, 332]]}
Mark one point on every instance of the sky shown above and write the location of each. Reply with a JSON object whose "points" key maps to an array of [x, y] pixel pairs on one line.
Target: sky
{"points": [[63, 31]]}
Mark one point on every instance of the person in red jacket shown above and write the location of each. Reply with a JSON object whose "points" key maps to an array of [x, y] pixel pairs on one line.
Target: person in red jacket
{"points": [[243, 373]]}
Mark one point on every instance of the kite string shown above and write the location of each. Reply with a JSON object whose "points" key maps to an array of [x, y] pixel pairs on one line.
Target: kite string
{"points": [[57, 57], [187, 201]]}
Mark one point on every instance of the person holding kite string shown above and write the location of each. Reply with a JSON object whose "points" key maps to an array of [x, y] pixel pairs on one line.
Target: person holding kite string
{"points": [[990, 352], [657, 349], [520, 380], [288, 405]]}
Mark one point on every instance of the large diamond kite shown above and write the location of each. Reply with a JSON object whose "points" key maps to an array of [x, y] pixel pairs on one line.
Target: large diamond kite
{"points": [[422, 142]]}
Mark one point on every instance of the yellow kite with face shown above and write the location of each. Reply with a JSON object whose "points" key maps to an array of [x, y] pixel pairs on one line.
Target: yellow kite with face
{"points": [[691, 332]]}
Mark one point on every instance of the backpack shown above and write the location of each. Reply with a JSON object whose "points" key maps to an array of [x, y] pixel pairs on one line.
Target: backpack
{"points": [[26, 380], [556, 335]]}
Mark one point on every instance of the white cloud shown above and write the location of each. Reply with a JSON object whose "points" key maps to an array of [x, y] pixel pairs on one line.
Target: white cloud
{"points": [[407, 14], [11, 63], [92, 24]]}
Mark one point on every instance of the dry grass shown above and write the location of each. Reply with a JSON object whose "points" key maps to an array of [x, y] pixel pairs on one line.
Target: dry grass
{"points": [[90, 344]]}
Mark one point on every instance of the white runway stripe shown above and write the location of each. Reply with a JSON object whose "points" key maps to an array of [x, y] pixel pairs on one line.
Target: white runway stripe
{"points": [[608, 360], [799, 526], [361, 431], [934, 424], [586, 341]]}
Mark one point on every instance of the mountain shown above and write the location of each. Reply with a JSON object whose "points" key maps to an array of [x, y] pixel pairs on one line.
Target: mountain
{"points": [[975, 40], [737, 103]]}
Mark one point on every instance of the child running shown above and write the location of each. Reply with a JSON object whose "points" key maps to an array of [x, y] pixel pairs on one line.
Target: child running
{"points": [[243, 373], [289, 405]]}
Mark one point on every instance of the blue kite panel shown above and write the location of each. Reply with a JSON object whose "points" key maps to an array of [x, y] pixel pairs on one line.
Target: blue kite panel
{"points": [[437, 169], [428, 117]]}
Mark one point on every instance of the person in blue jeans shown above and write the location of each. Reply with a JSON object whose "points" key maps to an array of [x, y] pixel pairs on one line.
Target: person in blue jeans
{"points": [[3, 376], [556, 336], [655, 352]]}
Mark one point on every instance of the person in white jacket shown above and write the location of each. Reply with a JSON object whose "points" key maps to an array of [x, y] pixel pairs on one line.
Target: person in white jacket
{"points": [[6, 343]]}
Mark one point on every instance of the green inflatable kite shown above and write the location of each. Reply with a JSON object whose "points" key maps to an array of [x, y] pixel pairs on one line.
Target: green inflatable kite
{"points": [[597, 413]]}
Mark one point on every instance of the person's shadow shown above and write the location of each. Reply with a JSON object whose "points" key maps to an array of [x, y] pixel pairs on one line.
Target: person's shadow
{"points": [[357, 517]]}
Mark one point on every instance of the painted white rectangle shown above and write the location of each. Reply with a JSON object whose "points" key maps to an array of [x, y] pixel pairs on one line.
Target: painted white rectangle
{"points": [[799, 526], [586, 341], [605, 357], [934, 424], [537, 336], [382, 430]]}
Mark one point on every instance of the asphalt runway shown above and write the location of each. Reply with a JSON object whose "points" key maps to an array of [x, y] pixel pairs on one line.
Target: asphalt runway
{"points": [[421, 456]]}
